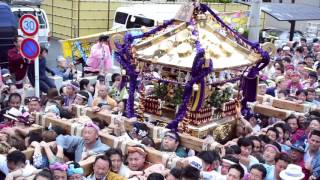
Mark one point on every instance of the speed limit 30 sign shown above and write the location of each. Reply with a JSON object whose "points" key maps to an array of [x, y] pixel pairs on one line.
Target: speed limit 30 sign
{"points": [[29, 25]]}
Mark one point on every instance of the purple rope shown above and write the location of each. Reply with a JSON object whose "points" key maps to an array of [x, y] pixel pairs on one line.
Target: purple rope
{"points": [[254, 71], [201, 94], [198, 73], [124, 57]]}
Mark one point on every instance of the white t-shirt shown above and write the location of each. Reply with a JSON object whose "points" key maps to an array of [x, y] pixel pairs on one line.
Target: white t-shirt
{"points": [[27, 170], [3, 165], [307, 158], [124, 171], [253, 161], [256, 128], [212, 175]]}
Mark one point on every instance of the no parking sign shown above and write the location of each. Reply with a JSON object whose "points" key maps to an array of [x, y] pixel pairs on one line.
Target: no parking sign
{"points": [[30, 48]]}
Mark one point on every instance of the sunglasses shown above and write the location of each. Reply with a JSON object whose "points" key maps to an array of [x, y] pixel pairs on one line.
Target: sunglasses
{"points": [[32, 99], [170, 136]]}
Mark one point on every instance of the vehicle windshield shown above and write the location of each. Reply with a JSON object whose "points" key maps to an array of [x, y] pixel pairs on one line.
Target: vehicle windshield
{"points": [[121, 18], [137, 22], [274, 32], [41, 19]]}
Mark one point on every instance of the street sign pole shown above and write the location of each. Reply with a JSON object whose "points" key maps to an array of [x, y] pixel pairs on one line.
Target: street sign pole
{"points": [[36, 73], [29, 25]]}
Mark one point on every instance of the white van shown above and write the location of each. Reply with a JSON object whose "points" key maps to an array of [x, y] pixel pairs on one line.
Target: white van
{"points": [[44, 28], [147, 15]]}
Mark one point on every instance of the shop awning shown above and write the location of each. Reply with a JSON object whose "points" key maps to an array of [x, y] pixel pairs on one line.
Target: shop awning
{"points": [[291, 13]]}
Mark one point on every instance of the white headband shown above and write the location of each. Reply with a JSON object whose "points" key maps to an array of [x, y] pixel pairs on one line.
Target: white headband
{"points": [[83, 97], [228, 161]]}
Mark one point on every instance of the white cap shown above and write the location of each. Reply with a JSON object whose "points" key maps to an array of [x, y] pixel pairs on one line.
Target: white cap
{"points": [[286, 48], [195, 162], [292, 172]]}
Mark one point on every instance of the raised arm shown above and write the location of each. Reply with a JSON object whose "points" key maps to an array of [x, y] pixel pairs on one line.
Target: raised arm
{"points": [[51, 157], [68, 142]]}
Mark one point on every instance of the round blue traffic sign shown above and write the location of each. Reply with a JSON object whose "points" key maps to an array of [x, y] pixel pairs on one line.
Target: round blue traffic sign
{"points": [[30, 49]]}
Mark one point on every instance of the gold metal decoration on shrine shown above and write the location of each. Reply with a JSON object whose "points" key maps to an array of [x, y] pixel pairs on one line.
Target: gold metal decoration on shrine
{"points": [[270, 48], [201, 117], [222, 132], [173, 49], [153, 106], [116, 39]]}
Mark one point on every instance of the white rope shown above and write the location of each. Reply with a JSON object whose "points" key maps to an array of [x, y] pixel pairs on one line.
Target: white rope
{"points": [[78, 111], [271, 101], [116, 142], [124, 145], [155, 132], [213, 145], [288, 113], [76, 129], [264, 100], [84, 111], [43, 120], [174, 161], [161, 132], [113, 118], [207, 143], [37, 118], [205, 146], [73, 129], [164, 159], [79, 130]]}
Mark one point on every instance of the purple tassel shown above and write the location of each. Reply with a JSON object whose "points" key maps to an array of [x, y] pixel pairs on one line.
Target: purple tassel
{"points": [[202, 84], [249, 85]]}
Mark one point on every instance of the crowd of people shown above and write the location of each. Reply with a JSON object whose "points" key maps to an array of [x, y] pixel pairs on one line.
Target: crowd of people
{"points": [[265, 148]]}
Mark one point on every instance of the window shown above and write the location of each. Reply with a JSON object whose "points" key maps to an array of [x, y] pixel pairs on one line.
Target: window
{"points": [[137, 22], [41, 19], [121, 18]]}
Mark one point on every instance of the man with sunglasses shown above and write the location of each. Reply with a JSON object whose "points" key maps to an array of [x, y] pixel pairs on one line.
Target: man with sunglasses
{"points": [[85, 146], [34, 104], [171, 142]]}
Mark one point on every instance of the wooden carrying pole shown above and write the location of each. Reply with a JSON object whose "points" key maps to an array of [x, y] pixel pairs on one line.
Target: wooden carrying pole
{"points": [[185, 140], [284, 104], [154, 156]]}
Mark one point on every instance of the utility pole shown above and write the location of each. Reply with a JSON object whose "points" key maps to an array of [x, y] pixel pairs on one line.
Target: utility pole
{"points": [[254, 20]]}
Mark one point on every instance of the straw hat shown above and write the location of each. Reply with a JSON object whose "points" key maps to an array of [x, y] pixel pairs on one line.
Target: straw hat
{"points": [[292, 172], [13, 114], [279, 79]]}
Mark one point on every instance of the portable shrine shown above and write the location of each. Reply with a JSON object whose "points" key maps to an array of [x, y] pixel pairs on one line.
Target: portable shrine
{"points": [[187, 71]]}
